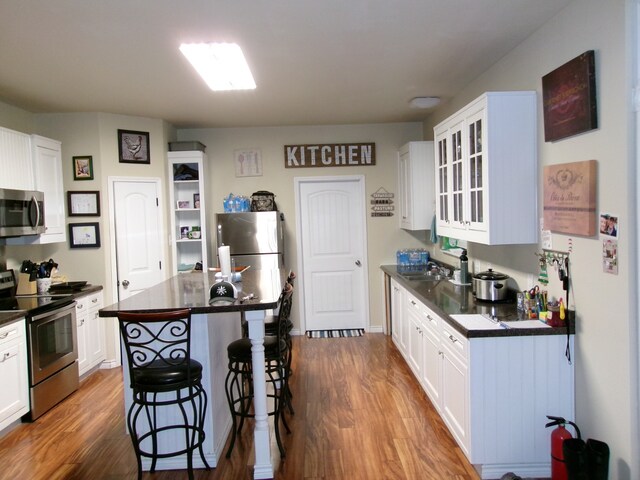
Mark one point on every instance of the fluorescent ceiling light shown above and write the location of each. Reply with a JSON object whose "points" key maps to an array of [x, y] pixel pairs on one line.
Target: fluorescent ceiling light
{"points": [[221, 65]]}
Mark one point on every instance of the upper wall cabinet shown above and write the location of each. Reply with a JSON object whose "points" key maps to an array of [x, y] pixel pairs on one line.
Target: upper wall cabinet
{"points": [[486, 170], [15, 160], [415, 185], [45, 162]]}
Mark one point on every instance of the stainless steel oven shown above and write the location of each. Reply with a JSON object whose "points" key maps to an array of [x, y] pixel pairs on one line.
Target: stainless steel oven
{"points": [[53, 357]]}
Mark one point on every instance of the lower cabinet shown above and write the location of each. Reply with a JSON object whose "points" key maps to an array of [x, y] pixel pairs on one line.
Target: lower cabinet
{"points": [[91, 332], [14, 394], [493, 393], [397, 316]]}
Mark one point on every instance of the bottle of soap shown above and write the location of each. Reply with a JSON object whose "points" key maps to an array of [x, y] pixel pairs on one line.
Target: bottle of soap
{"points": [[464, 268]]}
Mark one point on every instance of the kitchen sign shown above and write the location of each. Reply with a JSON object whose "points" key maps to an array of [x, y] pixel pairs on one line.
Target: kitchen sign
{"points": [[570, 198], [330, 155]]}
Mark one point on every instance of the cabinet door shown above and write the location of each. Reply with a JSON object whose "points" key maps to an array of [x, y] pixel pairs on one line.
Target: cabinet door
{"points": [[15, 160], [404, 189], [442, 177], [414, 356], [14, 394], [475, 181], [397, 311], [432, 359], [83, 348], [456, 133], [455, 396], [47, 162]]}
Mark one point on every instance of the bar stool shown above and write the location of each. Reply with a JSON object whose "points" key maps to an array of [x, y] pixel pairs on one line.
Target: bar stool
{"points": [[239, 380], [163, 375]]}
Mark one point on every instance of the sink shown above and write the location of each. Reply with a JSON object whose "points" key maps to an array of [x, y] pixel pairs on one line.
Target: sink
{"points": [[421, 275]]}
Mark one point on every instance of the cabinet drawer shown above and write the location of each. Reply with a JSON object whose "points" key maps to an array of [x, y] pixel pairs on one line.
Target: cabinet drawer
{"points": [[455, 342], [89, 302], [11, 331], [430, 320]]}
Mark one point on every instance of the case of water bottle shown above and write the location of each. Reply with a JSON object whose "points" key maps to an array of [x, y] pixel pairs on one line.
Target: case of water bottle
{"points": [[412, 259]]}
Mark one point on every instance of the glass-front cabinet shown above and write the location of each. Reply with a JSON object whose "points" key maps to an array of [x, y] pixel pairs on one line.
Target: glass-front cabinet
{"points": [[486, 167]]}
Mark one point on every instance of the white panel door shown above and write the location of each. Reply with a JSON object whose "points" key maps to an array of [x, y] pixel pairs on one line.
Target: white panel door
{"points": [[138, 236], [332, 226]]}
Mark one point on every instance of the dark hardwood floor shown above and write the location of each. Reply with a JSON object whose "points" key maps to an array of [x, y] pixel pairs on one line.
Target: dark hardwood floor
{"points": [[360, 414]]}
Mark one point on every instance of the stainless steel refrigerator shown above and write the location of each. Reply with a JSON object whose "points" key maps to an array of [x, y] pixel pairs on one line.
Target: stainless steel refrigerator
{"points": [[255, 239]]}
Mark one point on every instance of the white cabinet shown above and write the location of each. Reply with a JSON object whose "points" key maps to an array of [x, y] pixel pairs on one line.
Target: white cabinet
{"points": [[486, 170], [493, 393], [91, 332], [15, 160], [187, 203], [414, 324], [397, 316], [46, 161], [14, 394], [415, 185]]}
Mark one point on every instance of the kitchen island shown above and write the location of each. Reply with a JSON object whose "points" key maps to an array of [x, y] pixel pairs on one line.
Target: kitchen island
{"points": [[492, 384], [213, 328]]}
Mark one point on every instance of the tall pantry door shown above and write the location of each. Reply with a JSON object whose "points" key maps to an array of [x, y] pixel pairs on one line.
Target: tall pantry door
{"points": [[332, 232]]}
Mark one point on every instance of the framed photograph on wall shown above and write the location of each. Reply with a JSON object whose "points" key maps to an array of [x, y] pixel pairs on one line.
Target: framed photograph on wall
{"points": [[83, 167], [83, 204], [84, 235], [133, 147]]}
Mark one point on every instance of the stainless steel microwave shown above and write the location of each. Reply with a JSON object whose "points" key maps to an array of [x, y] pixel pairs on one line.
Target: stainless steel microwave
{"points": [[21, 213]]}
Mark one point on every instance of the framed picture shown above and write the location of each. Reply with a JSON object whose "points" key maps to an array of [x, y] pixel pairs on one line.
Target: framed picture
{"points": [[569, 98], [248, 163], [83, 168], [183, 204], [569, 198], [133, 147], [196, 200], [85, 203], [84, 235]]}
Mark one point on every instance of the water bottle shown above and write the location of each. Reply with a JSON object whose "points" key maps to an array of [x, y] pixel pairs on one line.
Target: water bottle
{"points": [[464, 268]]}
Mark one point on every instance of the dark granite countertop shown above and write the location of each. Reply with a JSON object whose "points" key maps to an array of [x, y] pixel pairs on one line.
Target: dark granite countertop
{"points": [[13, 315], [191, 290], [446, 299]]}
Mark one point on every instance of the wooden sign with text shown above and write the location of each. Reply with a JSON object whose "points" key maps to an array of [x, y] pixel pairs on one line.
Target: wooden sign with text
{"points": [[570, 198], [330, 155]]}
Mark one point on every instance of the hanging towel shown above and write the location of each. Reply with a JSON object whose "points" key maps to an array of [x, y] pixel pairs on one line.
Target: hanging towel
{"points": [[434, 236]]}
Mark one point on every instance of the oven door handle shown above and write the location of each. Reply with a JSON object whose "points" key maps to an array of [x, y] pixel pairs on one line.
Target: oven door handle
{"points": [[54, 313]]}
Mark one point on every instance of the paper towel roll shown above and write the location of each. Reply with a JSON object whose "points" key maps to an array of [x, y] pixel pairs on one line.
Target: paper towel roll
{"points": [[224, 257]]}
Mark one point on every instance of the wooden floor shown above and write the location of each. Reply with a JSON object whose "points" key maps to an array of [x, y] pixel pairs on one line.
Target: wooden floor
{"points": [[359, 415]]}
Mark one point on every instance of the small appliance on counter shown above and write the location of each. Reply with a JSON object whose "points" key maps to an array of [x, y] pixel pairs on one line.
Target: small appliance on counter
{"points": [[490, 286]]}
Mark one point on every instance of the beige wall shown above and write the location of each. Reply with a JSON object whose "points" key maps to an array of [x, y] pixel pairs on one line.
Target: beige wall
{"points": [[606, 340], [383, 234]]}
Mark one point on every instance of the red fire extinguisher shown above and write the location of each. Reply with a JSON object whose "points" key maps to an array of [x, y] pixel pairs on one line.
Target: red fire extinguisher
{"points": [[559, 435]]}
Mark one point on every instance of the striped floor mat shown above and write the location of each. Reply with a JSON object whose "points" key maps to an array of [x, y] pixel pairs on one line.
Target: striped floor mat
{"points": [[354, 332]]}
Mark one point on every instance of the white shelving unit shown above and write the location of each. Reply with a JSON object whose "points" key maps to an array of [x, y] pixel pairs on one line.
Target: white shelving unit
{"points": [[187, 203]]}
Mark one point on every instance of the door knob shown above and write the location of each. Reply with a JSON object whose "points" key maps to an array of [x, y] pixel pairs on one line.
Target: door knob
{"points": [[358, 263], [125, 283]]}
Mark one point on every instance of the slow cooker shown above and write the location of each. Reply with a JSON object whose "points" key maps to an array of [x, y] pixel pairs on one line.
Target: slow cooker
{"points": [[490, 286]]}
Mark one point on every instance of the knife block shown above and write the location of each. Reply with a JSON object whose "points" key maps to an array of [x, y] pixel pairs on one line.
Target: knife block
{"points": [[25, 287]]}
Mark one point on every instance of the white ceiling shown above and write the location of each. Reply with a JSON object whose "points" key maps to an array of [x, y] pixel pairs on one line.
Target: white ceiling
{"points": [[320, 62]]}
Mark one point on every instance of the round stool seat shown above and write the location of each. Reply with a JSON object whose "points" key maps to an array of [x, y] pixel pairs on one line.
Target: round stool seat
{"points": [[240, 350], [160, 374]]}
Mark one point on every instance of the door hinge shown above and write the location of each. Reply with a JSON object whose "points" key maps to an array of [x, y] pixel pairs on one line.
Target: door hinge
{"points": [[157, 203], [160, 264]]}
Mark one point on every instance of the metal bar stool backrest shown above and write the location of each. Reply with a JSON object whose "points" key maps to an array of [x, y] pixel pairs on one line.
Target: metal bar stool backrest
{"points": [[158, 347]]}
